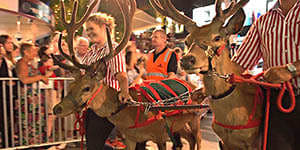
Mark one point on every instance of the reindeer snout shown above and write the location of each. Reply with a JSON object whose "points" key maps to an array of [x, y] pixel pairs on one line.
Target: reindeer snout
{"points": [[57, 110], [187, 62]]}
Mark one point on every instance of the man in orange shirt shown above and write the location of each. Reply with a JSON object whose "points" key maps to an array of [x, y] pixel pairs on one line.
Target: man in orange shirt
{"points": [[161, 62]]}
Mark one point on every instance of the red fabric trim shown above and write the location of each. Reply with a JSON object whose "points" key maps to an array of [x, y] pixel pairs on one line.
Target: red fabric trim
{"points": [[169, 89], [153, 91], [158, 116], [95, 94], [147, 95], [184, 83], [219, 51]]}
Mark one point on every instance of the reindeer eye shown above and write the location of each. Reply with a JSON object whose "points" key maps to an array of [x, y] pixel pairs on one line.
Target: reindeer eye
{"points": [[217, 38], [86, 89]]}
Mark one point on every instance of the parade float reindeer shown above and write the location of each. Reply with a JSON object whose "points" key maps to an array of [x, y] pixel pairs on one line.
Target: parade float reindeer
{"points": [[237, 112], [105, 101]]}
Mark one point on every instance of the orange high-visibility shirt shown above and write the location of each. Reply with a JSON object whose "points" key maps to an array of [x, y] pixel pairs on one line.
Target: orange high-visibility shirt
{"points": [[158, 69]]}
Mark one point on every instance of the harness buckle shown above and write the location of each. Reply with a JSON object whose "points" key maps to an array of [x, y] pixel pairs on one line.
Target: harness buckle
{"points": [[210, 52], [147, 109]]}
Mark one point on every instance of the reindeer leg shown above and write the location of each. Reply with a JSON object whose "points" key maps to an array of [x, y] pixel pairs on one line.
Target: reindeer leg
{"points": [[162, 146], [195, 126], [187, 134], [223, 146], [130, 145]]}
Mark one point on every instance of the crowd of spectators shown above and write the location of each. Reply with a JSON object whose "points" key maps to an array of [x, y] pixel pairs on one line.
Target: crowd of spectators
{"points": [[31, 64]]}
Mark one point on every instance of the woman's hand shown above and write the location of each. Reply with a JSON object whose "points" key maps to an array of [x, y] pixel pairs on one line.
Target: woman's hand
{"points": [[124, 97], [277, 74]]}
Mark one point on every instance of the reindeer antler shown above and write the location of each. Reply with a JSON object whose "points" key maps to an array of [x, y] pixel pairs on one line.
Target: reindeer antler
{"points": [[166, 8], [127, 8], [222, 15], [71, 27]]}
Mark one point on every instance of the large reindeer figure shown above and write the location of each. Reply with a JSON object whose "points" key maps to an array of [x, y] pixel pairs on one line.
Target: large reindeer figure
{"points": [[236, 115], [106, 103]]}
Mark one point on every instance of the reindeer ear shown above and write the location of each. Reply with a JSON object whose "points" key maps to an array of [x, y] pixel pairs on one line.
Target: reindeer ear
{"points": [[235, 23]]}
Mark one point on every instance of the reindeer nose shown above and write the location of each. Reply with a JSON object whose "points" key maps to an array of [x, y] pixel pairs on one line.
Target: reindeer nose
{"points": [[187, 62], [57, 110]]}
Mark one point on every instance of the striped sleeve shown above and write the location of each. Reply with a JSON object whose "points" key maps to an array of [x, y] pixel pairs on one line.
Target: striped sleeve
{"points": [[117, 63], [249, 52], [88, 56]]}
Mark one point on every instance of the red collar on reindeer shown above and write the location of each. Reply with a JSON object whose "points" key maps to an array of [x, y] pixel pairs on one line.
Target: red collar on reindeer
{"points": [[211, 52], [220, 49]]}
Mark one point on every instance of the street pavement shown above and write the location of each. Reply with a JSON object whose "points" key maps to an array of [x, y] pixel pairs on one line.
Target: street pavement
{"points": [[209, 138]]}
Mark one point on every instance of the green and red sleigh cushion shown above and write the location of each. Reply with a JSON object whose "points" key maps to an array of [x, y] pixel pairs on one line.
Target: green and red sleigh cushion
{"points": [[164, 92]]}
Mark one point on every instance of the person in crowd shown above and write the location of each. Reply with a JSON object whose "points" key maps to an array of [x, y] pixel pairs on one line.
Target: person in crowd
{"points": [[135, 71], [82, 46], [28, 75], [162, 61], [45, 57], [275, 38], [7, 69], [99, 128], [51, 94], [53, 49]]}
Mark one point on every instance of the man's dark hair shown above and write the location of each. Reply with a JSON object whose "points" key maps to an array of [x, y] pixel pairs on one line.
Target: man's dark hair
{"points": [[42, 53], [3, 39], [25, 46]]}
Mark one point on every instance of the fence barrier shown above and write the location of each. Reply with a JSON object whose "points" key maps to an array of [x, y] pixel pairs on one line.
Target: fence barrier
{"points": [[26, 118]]}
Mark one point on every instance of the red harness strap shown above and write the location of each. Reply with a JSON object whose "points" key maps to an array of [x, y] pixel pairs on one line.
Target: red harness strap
{"points": [[254, 80], [219, 51], [183, 83], [282, 87], [153, 91], [251, 123], [172, 92], [159, 115], [80, 118]]}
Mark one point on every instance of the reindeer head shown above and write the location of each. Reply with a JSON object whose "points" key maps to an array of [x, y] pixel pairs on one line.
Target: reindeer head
{"points": [[82, 89], [204, 41]]}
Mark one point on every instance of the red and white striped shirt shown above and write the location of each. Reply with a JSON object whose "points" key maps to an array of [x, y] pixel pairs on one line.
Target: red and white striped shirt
{"points": [[114, 65], [273, 37]]}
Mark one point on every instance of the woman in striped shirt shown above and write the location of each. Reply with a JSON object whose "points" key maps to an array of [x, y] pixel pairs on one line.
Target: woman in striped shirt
{"points": [[98, 128], [275, 37]]}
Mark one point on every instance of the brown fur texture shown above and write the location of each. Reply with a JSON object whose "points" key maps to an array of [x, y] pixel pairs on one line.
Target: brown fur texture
{"points": [[203, 42], [106, 103], [233, 109]]}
